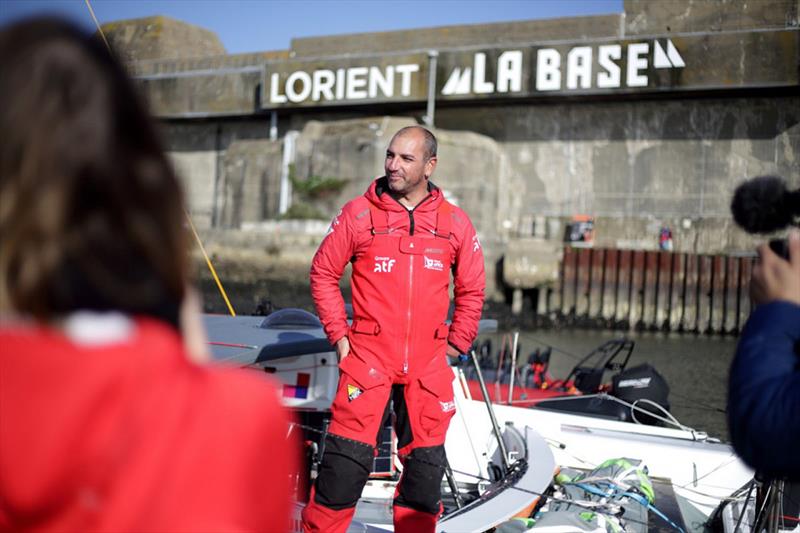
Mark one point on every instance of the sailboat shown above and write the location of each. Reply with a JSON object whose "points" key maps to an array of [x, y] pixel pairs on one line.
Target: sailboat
{"points": [[506, 463]]}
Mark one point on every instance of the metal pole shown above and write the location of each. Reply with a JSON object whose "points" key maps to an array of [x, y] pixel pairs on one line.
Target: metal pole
{"points": [[433, 56], [285, 198], [273, 126], [451, 480], [513, 367], [488, 402]]}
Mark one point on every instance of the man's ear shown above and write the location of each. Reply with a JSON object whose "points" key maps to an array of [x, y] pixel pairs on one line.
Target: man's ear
{"points": [[430, 166]]}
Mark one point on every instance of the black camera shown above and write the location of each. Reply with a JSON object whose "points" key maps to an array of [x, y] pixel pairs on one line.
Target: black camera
{"points": [[764, 205]]}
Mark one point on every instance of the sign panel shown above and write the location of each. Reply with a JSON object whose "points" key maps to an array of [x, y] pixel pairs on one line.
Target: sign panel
{"points": [[674, 64], [361, 80]]}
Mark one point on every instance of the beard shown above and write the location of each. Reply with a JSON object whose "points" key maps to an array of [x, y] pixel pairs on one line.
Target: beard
{"points": [[399, 184]]}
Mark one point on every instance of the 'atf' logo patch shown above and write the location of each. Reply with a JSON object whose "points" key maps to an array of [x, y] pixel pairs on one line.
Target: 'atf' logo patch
{"points": [[353, 392], [433, 264], [448, 406], [383, 264]]}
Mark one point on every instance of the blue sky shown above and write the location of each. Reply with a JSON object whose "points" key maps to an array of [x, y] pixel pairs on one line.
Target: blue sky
{"points": [[259, 25]]}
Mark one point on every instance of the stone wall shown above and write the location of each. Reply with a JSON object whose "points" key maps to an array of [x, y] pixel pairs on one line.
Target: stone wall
{"points": [[645, 17], [501, 34], [638, 159], [161, 38]]}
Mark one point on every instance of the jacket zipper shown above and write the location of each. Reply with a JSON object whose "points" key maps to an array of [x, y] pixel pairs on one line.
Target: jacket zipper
{"points": [[410, 282], [408, 314]]}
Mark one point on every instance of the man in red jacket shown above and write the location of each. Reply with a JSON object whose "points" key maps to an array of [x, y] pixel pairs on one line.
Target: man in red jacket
{"points": [[403, 240]]}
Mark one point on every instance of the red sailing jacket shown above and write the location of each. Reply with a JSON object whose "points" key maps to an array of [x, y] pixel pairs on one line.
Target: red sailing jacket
{"points": [[402, 261], [131, 436]]}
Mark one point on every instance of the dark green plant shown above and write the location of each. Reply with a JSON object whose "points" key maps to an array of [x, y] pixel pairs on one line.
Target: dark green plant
{"points": [[302, 211], [317, 187]]}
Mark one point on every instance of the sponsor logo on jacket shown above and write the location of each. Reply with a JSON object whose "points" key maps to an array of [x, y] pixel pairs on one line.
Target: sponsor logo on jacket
{"points": [[433, 264], [476, 244], [353, 392], [383, 264]]}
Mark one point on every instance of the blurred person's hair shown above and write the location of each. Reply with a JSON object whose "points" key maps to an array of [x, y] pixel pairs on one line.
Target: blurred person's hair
{"points": [[91, 212]]}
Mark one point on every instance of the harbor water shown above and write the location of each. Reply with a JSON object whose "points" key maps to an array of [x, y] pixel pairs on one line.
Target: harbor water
{"points": [[695, 366]]}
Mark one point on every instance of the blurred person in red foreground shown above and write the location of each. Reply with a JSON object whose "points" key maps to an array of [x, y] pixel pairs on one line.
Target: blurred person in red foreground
{"points": [[106, 423]]}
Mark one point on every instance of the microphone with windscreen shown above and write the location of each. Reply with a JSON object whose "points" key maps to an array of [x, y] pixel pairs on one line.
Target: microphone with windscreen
{"points": [[764, 205]]}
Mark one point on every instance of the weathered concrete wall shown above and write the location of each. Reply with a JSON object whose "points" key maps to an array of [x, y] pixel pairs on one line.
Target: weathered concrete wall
{"points": [[350, 150], [161, 37], [197, 149], [472, 168], [675, 158], [250, 182], [501, 33], [203, 94], [646, 17]]}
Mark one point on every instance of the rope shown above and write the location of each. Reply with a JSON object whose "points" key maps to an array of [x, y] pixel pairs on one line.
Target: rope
{"points": [[667, 414], [638, 498], [188, 218], [99, 29], [208, 262]]}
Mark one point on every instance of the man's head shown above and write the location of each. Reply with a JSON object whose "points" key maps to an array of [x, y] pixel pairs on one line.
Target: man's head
{"points": [[410, 162]]}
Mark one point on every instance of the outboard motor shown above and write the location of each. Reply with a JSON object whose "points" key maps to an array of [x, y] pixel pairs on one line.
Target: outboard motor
{"points": [[642, 382]]}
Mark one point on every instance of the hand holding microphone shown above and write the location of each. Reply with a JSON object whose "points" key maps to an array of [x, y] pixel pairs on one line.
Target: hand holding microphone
{"points": [[775, 279], [764, 205]]}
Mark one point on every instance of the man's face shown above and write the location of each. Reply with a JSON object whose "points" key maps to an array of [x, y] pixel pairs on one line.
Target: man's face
{"points": [[406, 167]]}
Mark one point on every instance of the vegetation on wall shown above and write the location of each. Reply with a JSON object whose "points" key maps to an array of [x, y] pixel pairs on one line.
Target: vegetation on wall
{"points": [[311, 194]]}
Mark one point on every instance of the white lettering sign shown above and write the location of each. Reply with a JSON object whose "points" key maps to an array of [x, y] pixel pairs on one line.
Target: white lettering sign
{"points": [[354, 83], [474, 79], [579, 66], [509, 72], [550, 69], [606, 55], [637, 61]]}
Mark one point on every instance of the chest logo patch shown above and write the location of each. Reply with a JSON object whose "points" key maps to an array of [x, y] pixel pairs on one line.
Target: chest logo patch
{"points": [[448, 406], [433, 264], [383, 264], [353, 392]]}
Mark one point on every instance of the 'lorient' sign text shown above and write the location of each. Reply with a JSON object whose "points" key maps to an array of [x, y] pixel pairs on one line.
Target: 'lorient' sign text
{"points": [[641, 65]]}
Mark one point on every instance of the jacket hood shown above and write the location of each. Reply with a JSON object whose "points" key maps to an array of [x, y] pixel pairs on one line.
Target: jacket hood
{"points": [[378, 194]]}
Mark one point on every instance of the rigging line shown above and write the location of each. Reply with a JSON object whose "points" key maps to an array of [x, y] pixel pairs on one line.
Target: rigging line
{"points": [[701, 407], [99, 29], [208, 262], [788, 496], [705, 405], [188, 218]]}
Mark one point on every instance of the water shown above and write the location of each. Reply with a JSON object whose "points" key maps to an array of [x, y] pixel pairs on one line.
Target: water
{"points": [[695, 367]]}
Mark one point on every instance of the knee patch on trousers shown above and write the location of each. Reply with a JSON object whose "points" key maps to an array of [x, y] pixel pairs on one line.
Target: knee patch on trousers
{"points": [[421, 486], [345, 468]]}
